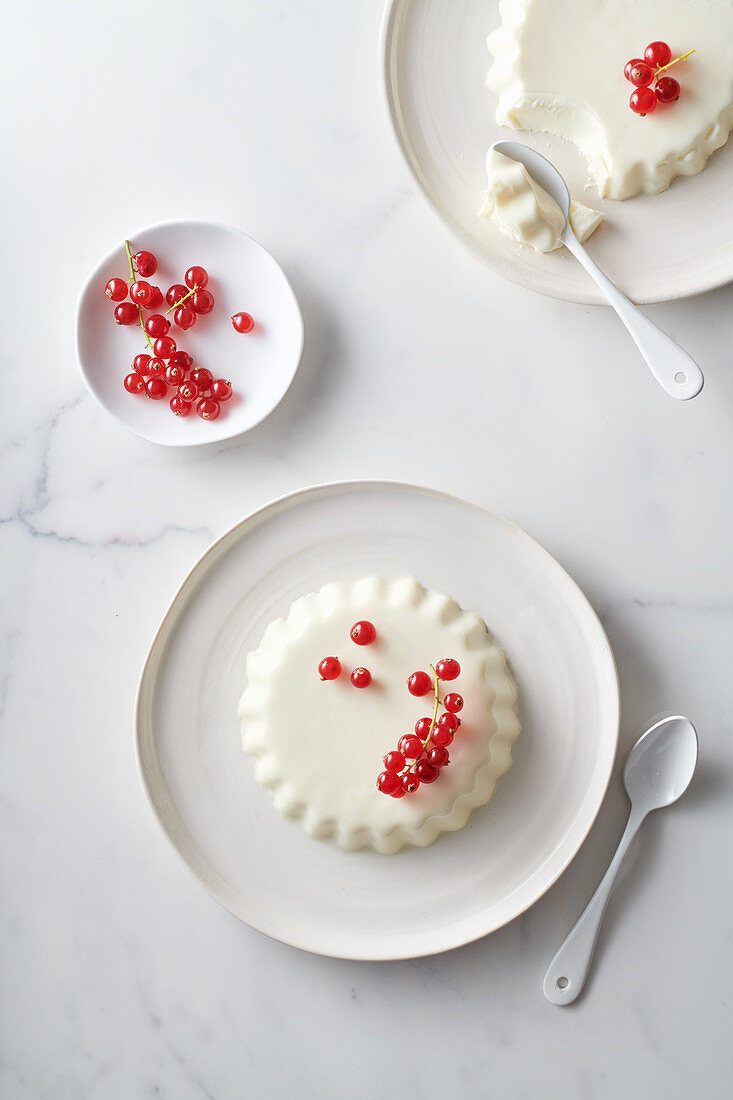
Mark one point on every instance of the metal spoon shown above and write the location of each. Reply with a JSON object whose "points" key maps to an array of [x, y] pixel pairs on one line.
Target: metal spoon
{"points": [[658, 770], [672, 367]]}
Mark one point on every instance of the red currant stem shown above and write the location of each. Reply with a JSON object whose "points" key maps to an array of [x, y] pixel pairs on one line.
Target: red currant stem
{"points": [[682, 57], [432, 725], [133, 273], [181, 300]]}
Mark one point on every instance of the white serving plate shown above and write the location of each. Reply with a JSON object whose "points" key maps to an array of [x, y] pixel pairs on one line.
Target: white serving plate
{"points": [[364, 905], [242, 276], [655, 247]]}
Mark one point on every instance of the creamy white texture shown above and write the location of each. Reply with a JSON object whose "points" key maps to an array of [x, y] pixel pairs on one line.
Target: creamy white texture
{"points": [[558, 67], [319, 745]]}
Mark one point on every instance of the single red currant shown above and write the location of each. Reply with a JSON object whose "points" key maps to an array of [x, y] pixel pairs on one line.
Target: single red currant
{"points": [[208, 408], [448, 721], [221, 389], [156, 368], [394, 761], [174, 293], [426, 771], [642, 101], [174, 375], [134, 383], [146, 264], [196, 277], [203, 301], [410, 746], [399, 791], [442, 736], [448, 669], [126, 313], [639, 72], [116, 290], [453, 702], [361, 677], [657, 54], [185, 317], [363, 632], [180, 407], [157, 325], [387, 782], [410, 782], [156, 298], [141, 292], [203, 378], [182, 359], [141, 363], [330, 667], [156, 388], [438, 756], [419, 684], [667, 89], [164, 347], [188, 390], [243, 322], [423, 727]]}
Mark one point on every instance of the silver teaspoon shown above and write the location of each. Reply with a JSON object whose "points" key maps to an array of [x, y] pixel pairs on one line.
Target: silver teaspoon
{"points": [[658, 770]]}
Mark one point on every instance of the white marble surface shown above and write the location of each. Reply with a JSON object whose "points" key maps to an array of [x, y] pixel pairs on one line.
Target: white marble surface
{"points": [[120, 977]]}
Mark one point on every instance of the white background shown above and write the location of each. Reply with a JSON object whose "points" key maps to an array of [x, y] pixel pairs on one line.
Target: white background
{"points": [[120, 977]]}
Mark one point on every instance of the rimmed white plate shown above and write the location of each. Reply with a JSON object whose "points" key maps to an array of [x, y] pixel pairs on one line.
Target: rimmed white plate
{"points": [[656, 247], [242, 276], [310, 893]]}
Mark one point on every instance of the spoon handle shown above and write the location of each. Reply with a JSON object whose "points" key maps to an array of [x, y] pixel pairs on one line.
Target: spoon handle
{"points": [[675, 370], [568, 970]]}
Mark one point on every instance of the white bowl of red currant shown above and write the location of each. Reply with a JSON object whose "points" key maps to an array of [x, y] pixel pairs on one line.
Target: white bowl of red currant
{"points": [[188, 333]]}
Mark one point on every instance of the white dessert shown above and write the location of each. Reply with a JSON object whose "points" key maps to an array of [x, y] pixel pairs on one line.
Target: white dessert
{"points": [[523, 210], [319, 745], [559, 68]]}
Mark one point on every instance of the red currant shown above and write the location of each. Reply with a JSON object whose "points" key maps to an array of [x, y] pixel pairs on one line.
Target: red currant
{"points": [[146, 264], [423, 727], [156, 298], [448, 721], [410, 782], [174, 374], [448, 669], [188, 390], [208, 408], [639, 72], [388, 782], [453, 702], [180, 407], [185, 317], [141, 292], [155, 368], [361, 677], [642, 101], [134, 383], [116, 290], [399, 791], [426, 771], [442, 736], [221, 389], [410, 746], [164, 347], [329, 668], [244, 323], [126, 313], [438, 756], [196, 277], [394, 761], [182, 359], [156, 388], [667, 89], [419, 684], [657, 54], [174, 293], [363, 632], [203, 378], [203, 301], [141, 363], [157, 325]]}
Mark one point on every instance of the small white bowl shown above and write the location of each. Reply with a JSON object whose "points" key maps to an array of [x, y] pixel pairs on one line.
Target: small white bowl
{"points": [[260, 365]]}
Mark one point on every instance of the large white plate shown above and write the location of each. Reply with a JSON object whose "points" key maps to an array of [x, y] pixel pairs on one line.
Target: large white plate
{"points": [[656, 247], [310, 893]]}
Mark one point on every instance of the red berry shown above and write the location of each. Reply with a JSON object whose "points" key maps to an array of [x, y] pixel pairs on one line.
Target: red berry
{"points": [[399, 791], [126, 313], [116, 289], [419, 684], [197, 277], [208, 408], [442, 736], [141, 292], [180, 407], [174, 293], [330, 668], [244, 323], [141, 363], [423, 727], [639, 72], [134, 383], [388, 782], [410, 782], [155, 368], [410, 746], [164, 347], [394, 761], [427, 772], [182, 359], [174, 374], [156, 388], [156, 298], [642, 101], [438, 756], [657, 54], [203, 378], [146, 264], [157, 325], [221, 389], [448, 669], [188, 390], [448, 721], [203, 301], [363, 632], [453, 702], [667, 89], [185, 317], [361, 677]]}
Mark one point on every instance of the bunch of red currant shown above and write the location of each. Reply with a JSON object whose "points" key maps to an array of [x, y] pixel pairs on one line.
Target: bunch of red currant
{"points": [[642, 71], [363, 633], [427, 747]]}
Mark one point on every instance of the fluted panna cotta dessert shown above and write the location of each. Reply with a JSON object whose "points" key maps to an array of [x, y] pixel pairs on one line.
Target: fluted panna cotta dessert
{"points": [[320, 712], [558, 67]]}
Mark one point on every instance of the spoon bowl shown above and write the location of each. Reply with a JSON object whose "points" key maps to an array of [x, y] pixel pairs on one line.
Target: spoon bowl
{"points": [[541, 171], [661, 764]]}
